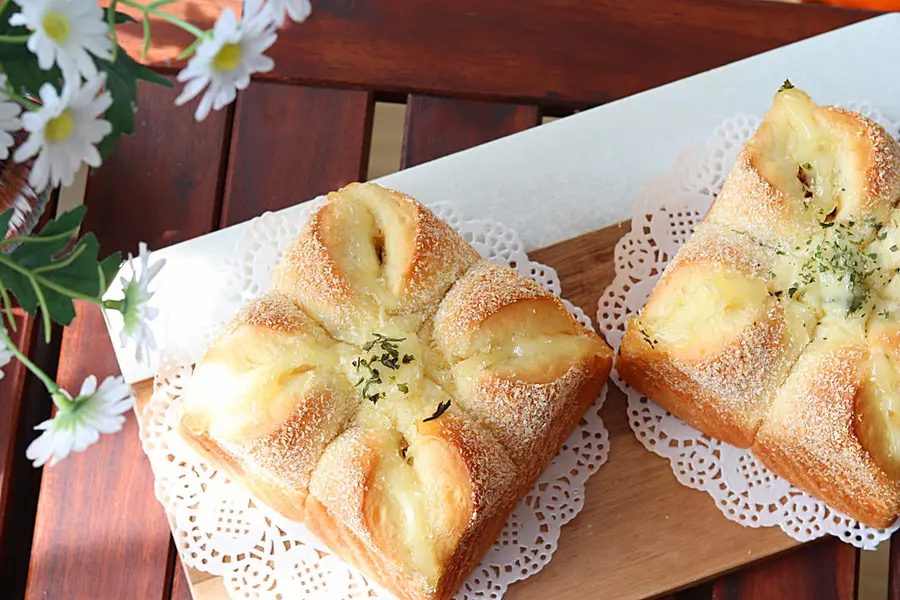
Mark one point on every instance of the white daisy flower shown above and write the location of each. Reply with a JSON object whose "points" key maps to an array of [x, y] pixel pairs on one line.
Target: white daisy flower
{"points": [[64, 132], [9, 120], [297, 10], [79, 423], [5, 356], [224, 62], [135, 308], [66, 32]]}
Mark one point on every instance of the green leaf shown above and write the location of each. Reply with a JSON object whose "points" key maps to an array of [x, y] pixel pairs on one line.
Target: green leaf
{"points": [[145, 74], [5, 218], [19, 63], [124, 18], [22, 70], [52, 238], [5, 28], [109, 266], [122, 85], [47, 271]]}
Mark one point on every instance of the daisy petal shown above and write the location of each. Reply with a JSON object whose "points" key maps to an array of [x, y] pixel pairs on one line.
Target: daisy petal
{"points": [[86, 35]]}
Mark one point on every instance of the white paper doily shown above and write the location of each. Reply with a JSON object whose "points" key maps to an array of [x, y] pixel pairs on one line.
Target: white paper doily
{"points": [[664, 217], [220, 529]]}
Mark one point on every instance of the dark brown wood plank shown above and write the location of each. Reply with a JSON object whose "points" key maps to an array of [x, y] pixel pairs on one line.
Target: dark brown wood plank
{"points": [[292, 143], [436, 126], [99, 528], [824, 570], [21, 506], [12, 386], [894, 570], [162, 185], [545, 52]]}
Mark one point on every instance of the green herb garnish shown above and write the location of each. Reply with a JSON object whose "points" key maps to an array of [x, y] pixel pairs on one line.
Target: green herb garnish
{"points": [[383, 351], [441, 409]]}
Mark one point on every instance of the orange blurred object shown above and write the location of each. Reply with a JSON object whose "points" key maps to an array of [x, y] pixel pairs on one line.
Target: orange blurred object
{"points": [[887, 5]]}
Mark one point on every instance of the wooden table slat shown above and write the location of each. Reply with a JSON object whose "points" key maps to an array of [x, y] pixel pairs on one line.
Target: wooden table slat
{"points": [[894, 569], [437, 126], [545, 52], [99, 527], [21, 503], [292, 143], [181, 588], [12, 386], [824, 570], [98, 524]]}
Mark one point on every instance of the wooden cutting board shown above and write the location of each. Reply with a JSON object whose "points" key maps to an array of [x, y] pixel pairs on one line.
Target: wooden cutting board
{"points": [[641, 533]]}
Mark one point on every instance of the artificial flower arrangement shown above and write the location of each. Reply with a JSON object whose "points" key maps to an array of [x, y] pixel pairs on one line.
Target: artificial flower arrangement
{"points": [[68, 92]]}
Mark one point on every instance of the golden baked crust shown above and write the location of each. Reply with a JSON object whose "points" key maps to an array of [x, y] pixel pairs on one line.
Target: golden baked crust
{"points": [[773, 327], [394, 392]]}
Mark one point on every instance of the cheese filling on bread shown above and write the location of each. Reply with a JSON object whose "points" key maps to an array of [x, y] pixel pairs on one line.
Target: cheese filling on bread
{"points": [[776, 326], [395, 392]]}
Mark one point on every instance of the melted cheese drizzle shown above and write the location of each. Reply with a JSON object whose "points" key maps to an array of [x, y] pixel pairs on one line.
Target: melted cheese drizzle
{"points": [[701, 309], [878, 413]]}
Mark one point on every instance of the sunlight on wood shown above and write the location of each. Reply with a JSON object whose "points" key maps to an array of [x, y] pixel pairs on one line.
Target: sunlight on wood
{"points": [[387, 139], [873, 573]]}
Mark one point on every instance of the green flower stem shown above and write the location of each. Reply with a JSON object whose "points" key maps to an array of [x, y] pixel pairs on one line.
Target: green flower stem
{"points": [[60, 264], [42, 302], [153, 10], [21, 100], [145, 47], [14, 39], [7, 306], [114, 305], [62, 401], [24, 239], [58, 397], [3, 5], [111, 19]]}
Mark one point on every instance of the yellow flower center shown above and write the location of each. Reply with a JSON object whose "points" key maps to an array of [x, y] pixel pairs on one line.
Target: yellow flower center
{"points": [[228, 58], [60, 128], [56, 26]]}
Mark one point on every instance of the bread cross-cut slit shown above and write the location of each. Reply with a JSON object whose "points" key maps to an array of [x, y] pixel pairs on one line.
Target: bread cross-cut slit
{"points": [[767, 329], [394, 392]]}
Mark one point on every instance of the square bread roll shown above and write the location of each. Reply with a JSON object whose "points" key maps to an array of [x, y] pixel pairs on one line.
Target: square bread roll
{"points": [[777, 326], [393, 391]]}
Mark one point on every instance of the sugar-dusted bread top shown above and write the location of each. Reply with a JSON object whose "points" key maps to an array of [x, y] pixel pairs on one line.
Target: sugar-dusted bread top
{"points": [[807, 165], [775, 326], [371, 252], [394, 391]]}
